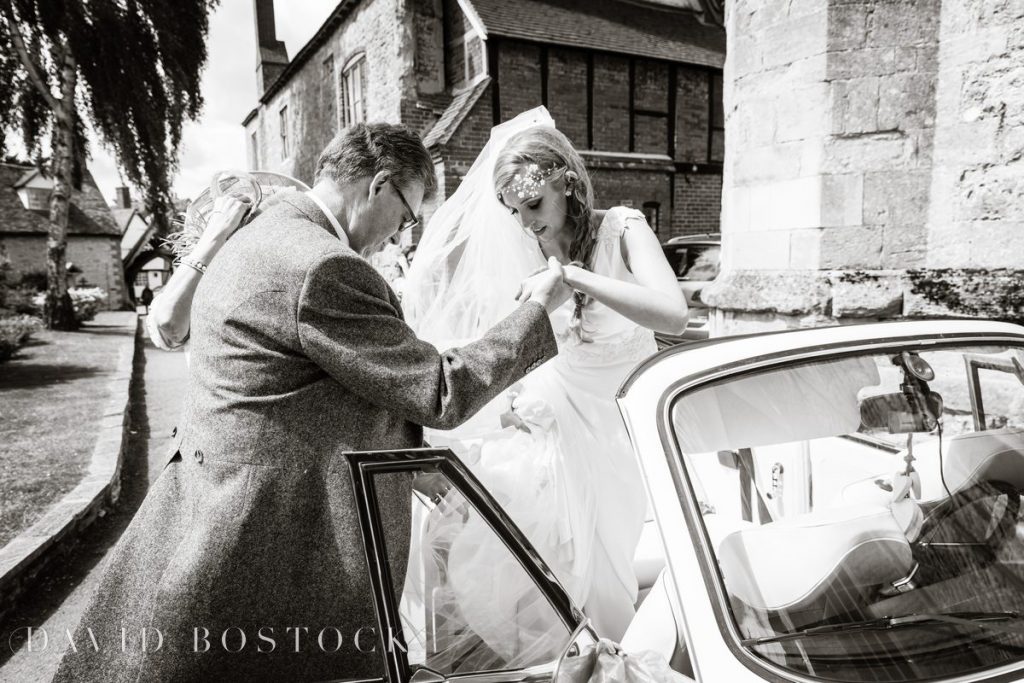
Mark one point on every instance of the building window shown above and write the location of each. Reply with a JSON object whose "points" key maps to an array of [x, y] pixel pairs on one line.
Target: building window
{"points": [[652, 212], [283, 116], [353, 89], [140, 279], [36, 198], [329, 92]]}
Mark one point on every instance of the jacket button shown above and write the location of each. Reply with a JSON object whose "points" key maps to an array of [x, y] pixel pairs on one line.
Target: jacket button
{"points": [[198, 456]]}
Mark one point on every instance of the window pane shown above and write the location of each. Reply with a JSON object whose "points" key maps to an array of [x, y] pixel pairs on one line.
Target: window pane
{"points": [[468, 605]]}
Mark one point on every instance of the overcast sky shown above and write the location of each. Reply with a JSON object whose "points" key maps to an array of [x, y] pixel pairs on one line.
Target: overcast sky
{"points": [[217, 140]]}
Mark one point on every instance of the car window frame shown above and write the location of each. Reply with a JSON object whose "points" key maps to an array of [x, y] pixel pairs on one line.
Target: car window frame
{"points": [[363, 466], [686, 492]]}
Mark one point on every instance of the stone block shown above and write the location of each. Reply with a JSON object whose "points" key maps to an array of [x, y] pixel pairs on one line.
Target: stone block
{"points": [[896, 198], [906, 58], [847, 26], [991, 193], [862, 63], [1000, 13], [966, 144], [760, 250], [842, 200], [905, 246], [851, 248], [796, 39], [906, 23], [977, 46], [869, 152], [995, 244], [855, 106], [767, 163], [860, 295], [916, 305], [786, 204], [788, 292], [801, 113], [906, 101], [736, 208], [805, 249]]}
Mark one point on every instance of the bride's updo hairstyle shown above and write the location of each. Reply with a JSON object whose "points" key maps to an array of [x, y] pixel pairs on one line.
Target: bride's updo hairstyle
{"points": [[551, 151]]}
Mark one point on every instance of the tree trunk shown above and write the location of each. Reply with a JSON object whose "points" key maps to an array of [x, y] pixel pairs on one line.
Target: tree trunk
{"points": [[58, 312]]}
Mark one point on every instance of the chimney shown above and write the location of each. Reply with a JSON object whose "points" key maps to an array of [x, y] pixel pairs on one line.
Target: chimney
{"points": [[124, 197], [271, 54]]}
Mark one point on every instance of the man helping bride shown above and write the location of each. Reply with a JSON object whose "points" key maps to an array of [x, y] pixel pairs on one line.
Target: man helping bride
{"points": [[552, 450]]}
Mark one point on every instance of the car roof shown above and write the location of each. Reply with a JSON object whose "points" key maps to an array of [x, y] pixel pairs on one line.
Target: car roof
{"points": [[660, 371], [706, 238]]}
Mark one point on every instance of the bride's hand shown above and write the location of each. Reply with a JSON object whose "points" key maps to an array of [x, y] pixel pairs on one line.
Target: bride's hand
{"points": [[226, 216]]}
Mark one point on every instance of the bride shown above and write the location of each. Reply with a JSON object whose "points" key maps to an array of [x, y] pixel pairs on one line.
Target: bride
{"points": [[553, 450]]}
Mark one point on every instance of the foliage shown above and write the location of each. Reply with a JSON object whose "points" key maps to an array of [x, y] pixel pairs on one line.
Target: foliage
{"points": [[130, 69], [5, 269], [34, 280], [85, 300], [15, 331], [138, 64]]}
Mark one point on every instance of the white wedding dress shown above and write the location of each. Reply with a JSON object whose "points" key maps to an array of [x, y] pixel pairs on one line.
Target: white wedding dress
{"points": [[571, 483]]}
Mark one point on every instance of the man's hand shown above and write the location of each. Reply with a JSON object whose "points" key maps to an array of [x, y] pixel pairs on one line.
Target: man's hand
{"points": [[433, 485], [547, 287]]}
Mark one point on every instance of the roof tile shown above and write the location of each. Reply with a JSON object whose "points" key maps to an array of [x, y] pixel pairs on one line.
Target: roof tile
{"points": [[610, 25]]}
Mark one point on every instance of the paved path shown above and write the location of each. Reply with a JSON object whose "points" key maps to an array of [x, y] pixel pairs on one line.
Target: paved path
{"points": [[62, 594]]}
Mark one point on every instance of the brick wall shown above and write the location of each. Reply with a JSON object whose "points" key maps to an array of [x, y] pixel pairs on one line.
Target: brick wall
{"points": [[698, 204], [691, 115], [611, 103], [98, 257], [370, 29], [518, 78], [634, 188], [567, 92]]}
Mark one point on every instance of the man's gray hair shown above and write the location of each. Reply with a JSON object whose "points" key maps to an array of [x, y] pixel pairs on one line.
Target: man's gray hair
{"points": [[366, 149]]}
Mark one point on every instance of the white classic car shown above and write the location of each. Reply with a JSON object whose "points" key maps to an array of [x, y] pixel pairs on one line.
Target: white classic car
{"points": [[837, 504]]}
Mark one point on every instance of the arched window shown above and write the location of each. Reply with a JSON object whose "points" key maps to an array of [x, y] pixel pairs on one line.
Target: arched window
{"points": [[353, 91]]}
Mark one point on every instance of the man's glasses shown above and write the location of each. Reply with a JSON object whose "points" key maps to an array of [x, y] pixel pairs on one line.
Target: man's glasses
{"points": [[408, 223]]}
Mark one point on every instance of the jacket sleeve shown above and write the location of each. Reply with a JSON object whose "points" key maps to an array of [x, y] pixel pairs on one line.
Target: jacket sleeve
{"points": [[347, 326]]}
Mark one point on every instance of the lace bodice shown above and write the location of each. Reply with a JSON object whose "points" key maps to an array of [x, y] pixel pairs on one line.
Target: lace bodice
{"points": [[613, 336]]}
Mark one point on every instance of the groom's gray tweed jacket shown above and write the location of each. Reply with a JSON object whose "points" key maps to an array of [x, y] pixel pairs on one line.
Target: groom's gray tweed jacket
{"points": [[298, 353]]}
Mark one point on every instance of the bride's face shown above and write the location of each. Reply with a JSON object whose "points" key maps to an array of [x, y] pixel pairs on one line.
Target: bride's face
{"points": [[542, 212]]}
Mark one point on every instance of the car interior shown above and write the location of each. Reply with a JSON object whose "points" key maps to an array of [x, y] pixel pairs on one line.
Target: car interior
{"points": [[840, 493]]}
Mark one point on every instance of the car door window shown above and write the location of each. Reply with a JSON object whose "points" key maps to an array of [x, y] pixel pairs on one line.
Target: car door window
{"points": [[467, 604]]}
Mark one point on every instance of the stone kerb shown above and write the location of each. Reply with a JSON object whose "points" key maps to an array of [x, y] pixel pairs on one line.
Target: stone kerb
{"points": [[62, 525]]}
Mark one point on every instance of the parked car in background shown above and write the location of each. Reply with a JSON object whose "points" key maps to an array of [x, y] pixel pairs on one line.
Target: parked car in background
{"points": [[695, 260]]}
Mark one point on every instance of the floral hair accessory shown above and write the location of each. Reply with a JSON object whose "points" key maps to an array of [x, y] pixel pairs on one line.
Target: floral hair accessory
{"points": [[528, 183]]}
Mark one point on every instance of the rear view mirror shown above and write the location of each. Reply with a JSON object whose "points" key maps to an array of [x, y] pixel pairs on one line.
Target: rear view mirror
{"points": [[897, 413]]}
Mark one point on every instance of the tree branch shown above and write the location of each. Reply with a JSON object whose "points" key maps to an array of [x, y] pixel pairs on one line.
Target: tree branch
{"points": [[34, 71]]}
